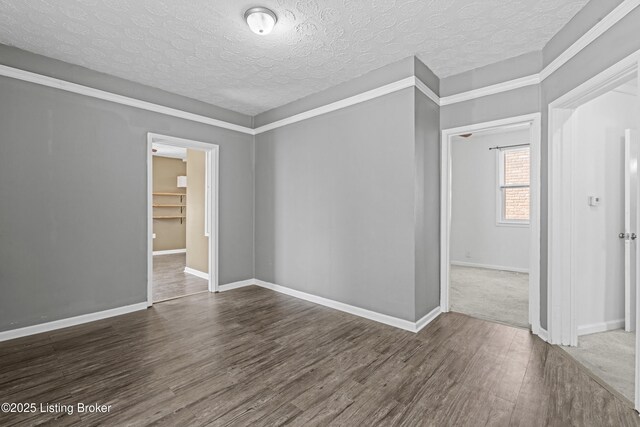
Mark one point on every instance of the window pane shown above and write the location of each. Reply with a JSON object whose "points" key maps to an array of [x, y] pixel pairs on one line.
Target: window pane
{"points": [[516, 204], [516, 167]]}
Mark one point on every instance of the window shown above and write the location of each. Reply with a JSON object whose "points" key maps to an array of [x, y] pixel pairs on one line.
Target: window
{"points": [[513, 185]]}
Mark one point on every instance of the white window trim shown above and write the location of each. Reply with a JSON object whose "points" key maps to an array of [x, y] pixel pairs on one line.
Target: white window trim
{"points": [[500, 220]]}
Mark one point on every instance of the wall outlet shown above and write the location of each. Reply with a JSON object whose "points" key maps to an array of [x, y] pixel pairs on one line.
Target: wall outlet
{"points": [[594, 201], [467, 254]]}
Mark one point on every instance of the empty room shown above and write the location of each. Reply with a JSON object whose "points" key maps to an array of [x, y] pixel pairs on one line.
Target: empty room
{"points": [[490, 238], [311, 212]]}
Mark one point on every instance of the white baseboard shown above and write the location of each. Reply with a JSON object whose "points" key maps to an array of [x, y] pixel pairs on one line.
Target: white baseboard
{"points": [[428, 318], [490, 267], [70, 321], [170, 252], [357, 311], [542, 333], [196, 273], [594, 328], [236, 285]]}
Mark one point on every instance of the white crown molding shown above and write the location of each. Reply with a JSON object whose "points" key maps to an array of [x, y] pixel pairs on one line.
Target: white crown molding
{"points": [[236, 285], [587, 38], [531, 80], [422, 87], [343, 103], [40, 79], [625, 68], [534, 79], [600, 28], [170, 252], [71, 321], [196, 273], [596, 31]]}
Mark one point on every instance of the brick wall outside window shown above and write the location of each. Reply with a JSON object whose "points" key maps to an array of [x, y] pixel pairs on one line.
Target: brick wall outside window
{"points": [[516, 172]]}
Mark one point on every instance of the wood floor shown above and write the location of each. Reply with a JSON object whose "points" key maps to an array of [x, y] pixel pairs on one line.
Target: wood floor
{"points": [[251, 356], [170, 280]]}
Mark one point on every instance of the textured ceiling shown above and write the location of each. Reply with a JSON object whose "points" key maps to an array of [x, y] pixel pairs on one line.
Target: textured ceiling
{"points": [[203, 49]]}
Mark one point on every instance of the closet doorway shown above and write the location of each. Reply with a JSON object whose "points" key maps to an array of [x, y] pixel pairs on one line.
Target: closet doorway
{"points": [[182, 217]]}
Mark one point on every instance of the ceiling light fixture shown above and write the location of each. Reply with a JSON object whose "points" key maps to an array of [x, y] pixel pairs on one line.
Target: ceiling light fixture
{"points": [[260, 20]]}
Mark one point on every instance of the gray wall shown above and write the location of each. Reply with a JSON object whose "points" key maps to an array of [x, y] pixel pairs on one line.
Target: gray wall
{"points": [[335, 205], [512, 103], [337, 197], [427, 76], [614, 45], [391, 73], [73, 231], [509, 69], [476, 236], [427, 204], [372, 80], [517, 102], [585, 19], [17, 58], [347, 203]]}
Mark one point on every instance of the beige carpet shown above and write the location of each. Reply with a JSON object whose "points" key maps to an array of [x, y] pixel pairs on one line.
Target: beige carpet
{"points": [[496, 295], [610, 356]]}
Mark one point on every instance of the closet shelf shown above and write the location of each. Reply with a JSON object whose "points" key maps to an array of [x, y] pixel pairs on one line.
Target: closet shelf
{"points": [[171, 204]]}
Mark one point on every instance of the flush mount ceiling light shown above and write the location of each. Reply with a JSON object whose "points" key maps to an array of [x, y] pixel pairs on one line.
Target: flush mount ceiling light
{"points": [[260, 20]]}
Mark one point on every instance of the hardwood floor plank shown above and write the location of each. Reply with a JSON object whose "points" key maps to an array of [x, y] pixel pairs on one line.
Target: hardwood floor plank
{"points": [[251, 356], [170, 280], [514, 366]]}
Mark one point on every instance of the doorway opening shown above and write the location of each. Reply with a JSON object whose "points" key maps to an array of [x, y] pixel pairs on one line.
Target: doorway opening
{"points": [[489, 240], [490, 226], [182, 217], [595, 157]]}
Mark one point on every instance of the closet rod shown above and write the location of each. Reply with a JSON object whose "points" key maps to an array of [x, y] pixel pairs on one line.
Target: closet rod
{"points": [[498, 147]]}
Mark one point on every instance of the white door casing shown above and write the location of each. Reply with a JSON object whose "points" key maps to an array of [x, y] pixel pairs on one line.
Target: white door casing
{"points": [[212, 185], [561, 309]]}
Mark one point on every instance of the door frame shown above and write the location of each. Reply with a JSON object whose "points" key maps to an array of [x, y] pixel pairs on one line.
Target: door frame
{"points": [[629, 153], [212, 151], [561, 301], [534, 120]]}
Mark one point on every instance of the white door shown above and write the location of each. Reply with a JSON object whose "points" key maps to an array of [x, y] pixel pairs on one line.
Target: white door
{"points": [[630, 227]]}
